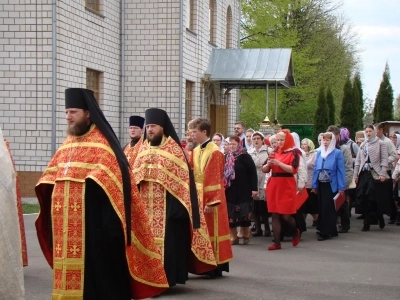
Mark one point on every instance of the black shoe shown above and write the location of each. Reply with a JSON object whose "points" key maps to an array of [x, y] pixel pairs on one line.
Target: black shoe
{"points": [[257, 233], [314, 223], [267, 233], [322, 237], [344, 230], [360, 217], [253, 228], [391, 221]]}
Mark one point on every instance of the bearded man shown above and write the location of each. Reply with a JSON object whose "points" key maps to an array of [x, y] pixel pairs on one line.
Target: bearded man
{"points": [[167, 186], [87, 203]]}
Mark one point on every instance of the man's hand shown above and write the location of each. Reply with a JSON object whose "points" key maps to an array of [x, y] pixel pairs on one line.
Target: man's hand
{"points": [[208, 209]]}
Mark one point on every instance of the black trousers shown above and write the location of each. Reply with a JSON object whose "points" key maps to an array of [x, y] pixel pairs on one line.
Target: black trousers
{"points": [[344, 214]]}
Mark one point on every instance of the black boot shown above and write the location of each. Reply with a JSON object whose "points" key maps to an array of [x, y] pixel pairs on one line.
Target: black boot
{"points": [[366, 224]]}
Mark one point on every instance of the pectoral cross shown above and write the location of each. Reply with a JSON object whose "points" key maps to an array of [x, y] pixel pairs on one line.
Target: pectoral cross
{"points": [[67, 167]]}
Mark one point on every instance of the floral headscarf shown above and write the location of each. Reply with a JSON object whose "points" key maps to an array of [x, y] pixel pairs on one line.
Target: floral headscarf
{"points": [[229, 169]]}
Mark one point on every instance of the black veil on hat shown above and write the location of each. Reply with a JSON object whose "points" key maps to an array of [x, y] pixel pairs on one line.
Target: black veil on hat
{"points": [[84, 99], [160, 117], [137, 121]]}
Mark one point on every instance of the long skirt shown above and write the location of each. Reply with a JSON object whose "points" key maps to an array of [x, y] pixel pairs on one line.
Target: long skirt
{"points": [[327, 216], [311, 204]]}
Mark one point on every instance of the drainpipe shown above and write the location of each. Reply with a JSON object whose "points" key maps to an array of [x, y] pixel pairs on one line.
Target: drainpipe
{"points": [[53, 76], [181, 72], [122, 77]]}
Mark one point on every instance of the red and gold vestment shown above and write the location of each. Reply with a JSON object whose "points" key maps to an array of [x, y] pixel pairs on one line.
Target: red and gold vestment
{"points": [[61, 190], [132, 151], [161, 169], [208, 166]]}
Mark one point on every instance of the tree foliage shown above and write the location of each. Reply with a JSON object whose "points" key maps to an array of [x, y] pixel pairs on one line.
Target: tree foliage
{"points": [[331, 107], [359, 101], [383, 109], [323, 51], [321, 121], [348, 112]]}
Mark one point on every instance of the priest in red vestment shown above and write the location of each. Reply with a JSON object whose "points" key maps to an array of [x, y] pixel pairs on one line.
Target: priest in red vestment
{"points": [[208, 167], [92, 226], [167, 186], [135, 132]]}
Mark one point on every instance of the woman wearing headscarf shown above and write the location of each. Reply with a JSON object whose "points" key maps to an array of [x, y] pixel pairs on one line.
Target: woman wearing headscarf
{"points": [[395, 216], [219, 140], [311, 204], [240, 182], [247, 141], [370, 173], [259, 154], [281, 187], [329, 178]]}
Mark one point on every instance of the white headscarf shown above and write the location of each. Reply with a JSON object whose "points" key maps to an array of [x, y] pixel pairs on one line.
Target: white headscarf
{"points": [[296, 140], [397, 141], [331, 146], [221, 147]]}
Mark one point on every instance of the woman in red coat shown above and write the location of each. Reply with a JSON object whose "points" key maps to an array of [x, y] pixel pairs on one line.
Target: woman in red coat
{"points": [[281, 187]]}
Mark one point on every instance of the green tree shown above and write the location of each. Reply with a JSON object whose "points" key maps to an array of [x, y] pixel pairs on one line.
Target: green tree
{"points": [[359, 101], [383, 109], [331, 107], [323, 51], [349, 106], [321, 116]]}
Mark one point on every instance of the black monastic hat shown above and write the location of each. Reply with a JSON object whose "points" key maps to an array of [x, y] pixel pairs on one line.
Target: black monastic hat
{"points": [[160, 117], [137, 121], [84, 99]]}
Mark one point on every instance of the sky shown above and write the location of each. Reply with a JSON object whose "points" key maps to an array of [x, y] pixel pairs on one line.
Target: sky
{"points": [[377, 23]]}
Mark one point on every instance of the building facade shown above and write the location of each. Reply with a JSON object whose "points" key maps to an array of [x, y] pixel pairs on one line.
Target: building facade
{"points": [[134, 54]]}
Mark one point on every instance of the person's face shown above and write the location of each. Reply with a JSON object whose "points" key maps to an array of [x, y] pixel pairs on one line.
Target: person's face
{"points": [[379, 132], [78, 120], [154, 132], [217, 140], [280, 140], [233, 145], [135, 132], [199, 136], [238, 129], [369, 132], [304, 146], [248, 137], [226, 147], [393, 138], [257, 141], [273, 144], [326, 142]]}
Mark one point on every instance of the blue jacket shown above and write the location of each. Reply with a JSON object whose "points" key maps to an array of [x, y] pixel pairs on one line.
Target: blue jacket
{"points": [[334, 166]]}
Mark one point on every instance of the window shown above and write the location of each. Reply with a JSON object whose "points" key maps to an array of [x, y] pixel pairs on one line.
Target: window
{"points": [[229, 28], [93, 5], [93, 82], [190, 23], [189, 100], [212, 21]]}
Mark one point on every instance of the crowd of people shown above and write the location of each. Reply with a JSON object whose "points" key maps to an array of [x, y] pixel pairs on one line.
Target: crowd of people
{"points": [[122, 223]]}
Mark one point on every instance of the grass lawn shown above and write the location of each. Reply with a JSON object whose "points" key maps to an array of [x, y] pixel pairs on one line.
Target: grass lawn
{"points": [[30, 208]]}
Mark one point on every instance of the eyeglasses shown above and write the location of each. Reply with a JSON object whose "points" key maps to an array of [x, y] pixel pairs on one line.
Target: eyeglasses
{"points": [[236, 128], [393, 137]]}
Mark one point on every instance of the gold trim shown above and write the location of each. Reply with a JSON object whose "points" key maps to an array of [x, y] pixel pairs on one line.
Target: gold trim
{"points": [[212, 188]]}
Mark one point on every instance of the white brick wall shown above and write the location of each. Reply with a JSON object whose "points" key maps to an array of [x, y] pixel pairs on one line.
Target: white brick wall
{"points": [[88, 40]]}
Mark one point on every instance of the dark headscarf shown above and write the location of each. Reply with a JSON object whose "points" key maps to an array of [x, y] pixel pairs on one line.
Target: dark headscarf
{"points": [[160, 117], [84, 99]]}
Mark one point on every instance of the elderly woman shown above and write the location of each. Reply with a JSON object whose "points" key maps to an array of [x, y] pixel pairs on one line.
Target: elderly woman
{"points": [[240, 182], [370, 173], [329, 178], [311, 204], [281, 187], [219, 140], [259, 154]]}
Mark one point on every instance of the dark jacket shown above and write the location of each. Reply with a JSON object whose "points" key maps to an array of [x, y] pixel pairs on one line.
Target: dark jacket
{"points": [[245, 180]]}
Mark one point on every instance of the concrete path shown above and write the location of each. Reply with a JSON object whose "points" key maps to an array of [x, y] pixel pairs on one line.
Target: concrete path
{"points": [[357, 265]]}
